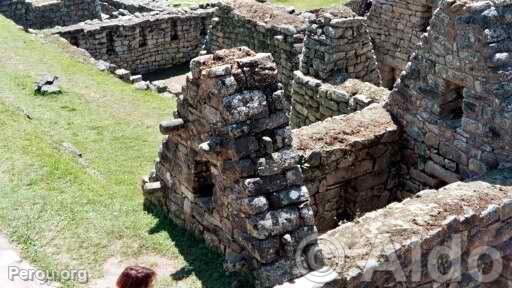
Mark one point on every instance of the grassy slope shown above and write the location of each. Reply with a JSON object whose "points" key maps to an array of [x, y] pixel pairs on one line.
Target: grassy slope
{"points": [[67, 214]]}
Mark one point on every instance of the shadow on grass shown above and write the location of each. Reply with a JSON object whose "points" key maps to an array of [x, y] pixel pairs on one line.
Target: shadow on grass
{"points": [[205, 263]]}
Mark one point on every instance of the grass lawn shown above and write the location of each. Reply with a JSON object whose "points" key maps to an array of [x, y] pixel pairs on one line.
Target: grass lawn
{"points": [[64, 213]]}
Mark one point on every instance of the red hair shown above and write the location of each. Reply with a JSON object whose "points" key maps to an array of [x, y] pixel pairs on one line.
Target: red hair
{"points": [[136, 277]]}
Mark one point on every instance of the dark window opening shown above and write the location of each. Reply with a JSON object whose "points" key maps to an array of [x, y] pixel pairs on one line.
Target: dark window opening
{"points": [[204, 30], [426, 20], [345, 216], [450, 105], [143, 38], [389, 77], [74, 41], [110, 43], [203, 183], [174, 32]]}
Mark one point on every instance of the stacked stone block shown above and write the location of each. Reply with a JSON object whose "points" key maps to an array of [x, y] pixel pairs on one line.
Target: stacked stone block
{"points": [[396, 27], [314, 100], [394, 246], [350, 164], [338, 47], [50, 14], [227, 170], [144, 43], [233, 26], [337, 50], [453, 98]]}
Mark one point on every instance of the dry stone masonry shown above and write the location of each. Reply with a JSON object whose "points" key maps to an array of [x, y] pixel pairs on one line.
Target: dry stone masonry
{"points": [[337, 51], [314, 100], [227, 170], [45, 14], [337, 47], [145, 43], [396, 27], [393, 247], [263, 28], [350, 164], [232, 171], [453, 100]]}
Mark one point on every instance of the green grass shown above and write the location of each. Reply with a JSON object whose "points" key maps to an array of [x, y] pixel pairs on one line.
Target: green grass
{"points": [[67, 214]]}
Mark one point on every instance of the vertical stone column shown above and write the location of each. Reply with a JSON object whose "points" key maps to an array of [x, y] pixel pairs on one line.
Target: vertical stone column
{"points": [[227, 170], [338, 47]]}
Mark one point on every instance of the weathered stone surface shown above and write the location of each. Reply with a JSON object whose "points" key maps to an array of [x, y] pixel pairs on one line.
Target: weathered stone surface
{"points": [[353, 171], [143, 42], [454, 217], [47, 84], [55, 13], [222, 176]]}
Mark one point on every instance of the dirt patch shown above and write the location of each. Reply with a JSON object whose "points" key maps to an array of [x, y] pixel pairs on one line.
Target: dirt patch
{"points": [[267, 13], [358, 87], [342, 131]]}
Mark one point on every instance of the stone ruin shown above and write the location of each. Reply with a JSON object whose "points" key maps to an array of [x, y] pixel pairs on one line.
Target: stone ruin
{"points": [[227, 170], [40, 14], [297, 138]]}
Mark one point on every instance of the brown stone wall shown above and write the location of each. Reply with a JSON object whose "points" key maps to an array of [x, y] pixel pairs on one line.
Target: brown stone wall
{"points": [[263, 28], [396, 27], [57, 13], [227, 170], [314, 100], [144, 43], [349, 164], [453, 99], [394, 246], [337, 47]]}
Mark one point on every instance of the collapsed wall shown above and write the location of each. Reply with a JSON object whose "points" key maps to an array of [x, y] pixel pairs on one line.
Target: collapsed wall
{"points": [[350, 164], [46, 14], [396, 27], [458, 236], [227, 170], [453, 100], [146, 42], [263, 28]]}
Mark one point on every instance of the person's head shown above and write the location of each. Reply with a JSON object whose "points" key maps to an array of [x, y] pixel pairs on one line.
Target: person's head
{"points": [[136, 277]]}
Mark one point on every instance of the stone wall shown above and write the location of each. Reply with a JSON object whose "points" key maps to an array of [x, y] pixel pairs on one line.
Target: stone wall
{"points": [[227, 170], [453, 100], [263, 28], [337, 50], [51, 13], [314, 100], [146, 42], [337, 46], [349, 164], [454, 230], [396, 27]]}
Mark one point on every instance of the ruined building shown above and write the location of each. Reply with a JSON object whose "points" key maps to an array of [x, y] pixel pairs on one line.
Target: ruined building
{"points": [[40, 14], [295, 139], [396, 28], [227, 170], [433, 130]]}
